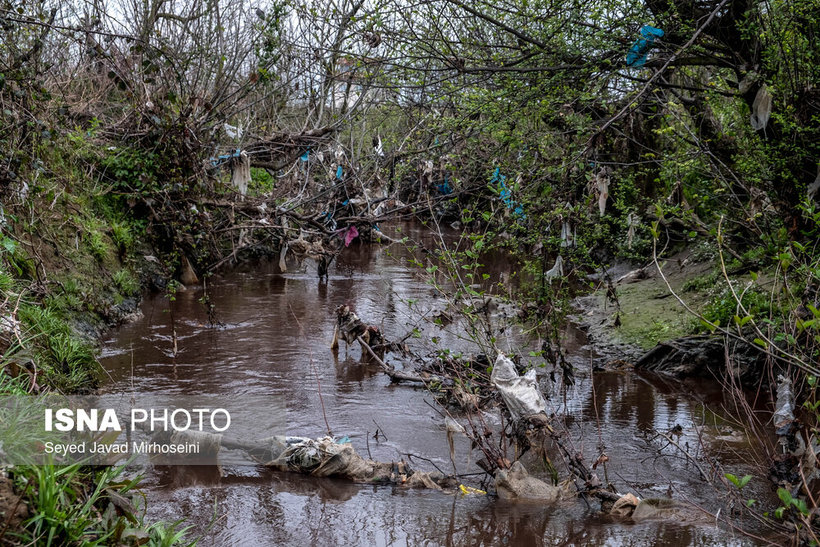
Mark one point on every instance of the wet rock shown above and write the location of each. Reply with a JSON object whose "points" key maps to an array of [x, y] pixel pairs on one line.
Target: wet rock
{"points": [[517, 484], [124, 312]]}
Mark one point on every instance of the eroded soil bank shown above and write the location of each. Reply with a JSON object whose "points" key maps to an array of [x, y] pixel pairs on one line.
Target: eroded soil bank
{"points": [[273, 340]]}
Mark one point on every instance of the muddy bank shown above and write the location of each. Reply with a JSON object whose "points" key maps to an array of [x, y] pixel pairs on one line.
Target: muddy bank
{"points": [[633, 310]]}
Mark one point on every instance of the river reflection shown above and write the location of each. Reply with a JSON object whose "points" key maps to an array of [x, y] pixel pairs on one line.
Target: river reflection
{"points": [[273, 339]]}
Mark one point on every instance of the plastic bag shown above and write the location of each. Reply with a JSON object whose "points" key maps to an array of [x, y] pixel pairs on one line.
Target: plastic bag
{"points": [[761, 109], [520, 393]]}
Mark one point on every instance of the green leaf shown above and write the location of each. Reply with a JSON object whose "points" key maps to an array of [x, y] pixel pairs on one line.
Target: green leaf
{"points": [[785, 496], [761, 343], [9, 244]]}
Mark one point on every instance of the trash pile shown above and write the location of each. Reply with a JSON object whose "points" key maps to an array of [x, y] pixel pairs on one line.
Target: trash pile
{"points": [[327, 457]]}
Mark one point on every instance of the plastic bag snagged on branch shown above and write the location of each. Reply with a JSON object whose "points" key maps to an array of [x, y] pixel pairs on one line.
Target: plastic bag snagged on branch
{"points": [[632, 222], [241, 173], [520, 393], [602, 189], [567, 235], [761, 108], [556, 271]]}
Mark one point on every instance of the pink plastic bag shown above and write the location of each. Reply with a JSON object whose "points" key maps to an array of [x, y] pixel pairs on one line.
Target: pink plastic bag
{"points": [[351, 234]]}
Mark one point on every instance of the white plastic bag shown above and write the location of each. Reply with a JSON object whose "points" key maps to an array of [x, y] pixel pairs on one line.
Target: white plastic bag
{"points": [[520, 393]]}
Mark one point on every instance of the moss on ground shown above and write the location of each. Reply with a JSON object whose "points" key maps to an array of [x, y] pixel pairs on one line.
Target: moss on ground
{"points": [[647, 313]]}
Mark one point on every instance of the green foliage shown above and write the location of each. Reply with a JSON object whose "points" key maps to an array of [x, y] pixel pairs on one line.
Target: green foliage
{"points": [[63, 513], [97, 245], [72, 506], [738, 482], [122, 236], [126, 283], [69, 362], [723, 307], [132, 170], [262, 182], [790, 503]]}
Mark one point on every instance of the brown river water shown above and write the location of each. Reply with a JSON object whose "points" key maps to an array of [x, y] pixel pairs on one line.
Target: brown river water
{"points": [[260, 349]]}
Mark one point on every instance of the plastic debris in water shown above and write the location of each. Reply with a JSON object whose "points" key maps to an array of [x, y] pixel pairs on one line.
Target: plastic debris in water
{"points": [[467, 490], [637, 53], [520, 394]]}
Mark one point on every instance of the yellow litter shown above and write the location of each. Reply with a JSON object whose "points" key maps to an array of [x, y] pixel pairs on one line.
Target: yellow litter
{"points": [[467, 490]]}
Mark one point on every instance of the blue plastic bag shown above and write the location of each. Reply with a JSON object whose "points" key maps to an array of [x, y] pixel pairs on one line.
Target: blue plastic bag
{"points": [[637, 53]]}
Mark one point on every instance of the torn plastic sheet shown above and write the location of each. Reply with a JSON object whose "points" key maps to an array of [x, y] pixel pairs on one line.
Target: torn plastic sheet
{"points": [[556, 271], [567, 235], [632, 222], [814, 187], [219, 160], [444, 188], [637, 53], [505, 194], [520, 393], [241, 173], [761, 109], [602, 185], [350, 234], [784, 407]]}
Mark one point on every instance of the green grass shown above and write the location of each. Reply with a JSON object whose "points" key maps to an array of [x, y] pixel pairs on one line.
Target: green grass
{"points": [[68, 362], [125, 282], [72, 505]]}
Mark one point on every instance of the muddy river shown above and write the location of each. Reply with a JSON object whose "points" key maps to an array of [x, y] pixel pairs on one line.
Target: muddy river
{"points": [[273, 340]]}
